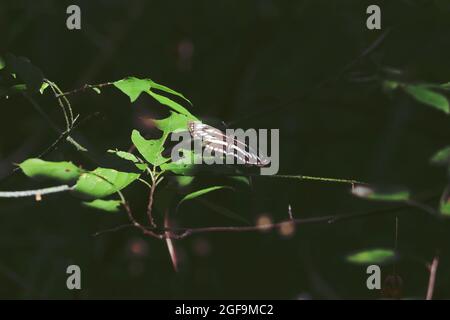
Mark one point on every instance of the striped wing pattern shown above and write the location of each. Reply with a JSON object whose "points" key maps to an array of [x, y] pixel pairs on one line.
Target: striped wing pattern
{"points": [[215, 140]]}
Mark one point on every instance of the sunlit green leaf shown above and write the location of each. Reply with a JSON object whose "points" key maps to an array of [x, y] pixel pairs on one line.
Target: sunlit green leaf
{"points": [[184, 181], [380, 195], [62, 171], [184, 166], [44, 86], [178, 167], [428, 97], [124, 155], [442, 157], [130, 157], [104, 205], [172, 123], [168, 90], [376, 256], [202, 192], [97, 90], [171, 104], [2, 63], [103, 182], [133, 87], [150, 149], [445, 207]]}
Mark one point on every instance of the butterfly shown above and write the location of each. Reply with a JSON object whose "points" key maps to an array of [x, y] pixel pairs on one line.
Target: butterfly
{"points": [[215, 140]]}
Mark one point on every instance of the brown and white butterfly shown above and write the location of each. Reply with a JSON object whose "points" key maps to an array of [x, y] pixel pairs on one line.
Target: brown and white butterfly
{"points": [[217, 141]]}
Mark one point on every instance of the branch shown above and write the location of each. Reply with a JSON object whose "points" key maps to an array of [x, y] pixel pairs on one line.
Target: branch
{"points": [[150, 205], [180, 233], [145, 231], [169, 242], [432, 279], [84, 88], [35, 193]]}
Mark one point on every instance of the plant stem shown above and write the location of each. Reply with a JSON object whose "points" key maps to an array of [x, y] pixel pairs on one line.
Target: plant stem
{"points": [[38, 192], [85, 87], [432, 279]]}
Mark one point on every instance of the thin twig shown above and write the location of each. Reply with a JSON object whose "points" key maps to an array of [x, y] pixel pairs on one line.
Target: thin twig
{"points": [[84, 88], [150, 205], [423, 207], [154, 177], [63, 103], [34, 193], [395, 245], [169, 242], [290, 212], [122, 226], [324, 179], [432, 279], [180, 233]]}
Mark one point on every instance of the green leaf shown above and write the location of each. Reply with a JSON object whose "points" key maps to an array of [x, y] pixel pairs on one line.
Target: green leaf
{"points": [[390, 85], [2, 63], [168, 90], [22, 67], [201, 192], [375, 256], [130, 157], [44, 86], [124, 155], [172, 123], [428, 97], [103, 182], [366, 192], [133, 87], [105, 205], [61, 171], [442, 157], [445, 207], [178, 167], [172, 104], [150, 149], [241, 179], [97, 90], [184, 166], [184, 181]]}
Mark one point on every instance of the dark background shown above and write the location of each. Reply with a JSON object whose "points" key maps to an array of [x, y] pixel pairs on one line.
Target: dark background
{"points": [[237, 61]]}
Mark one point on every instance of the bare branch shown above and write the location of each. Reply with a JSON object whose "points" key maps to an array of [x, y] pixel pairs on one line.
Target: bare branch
{"points": [[150, 205], [290, 212], [84, 88], [180, 233], [169, 242], [34, 193], [432, 279]]}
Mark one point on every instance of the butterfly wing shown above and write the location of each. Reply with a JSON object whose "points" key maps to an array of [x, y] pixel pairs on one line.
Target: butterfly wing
{"points": [[215, 140]]}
